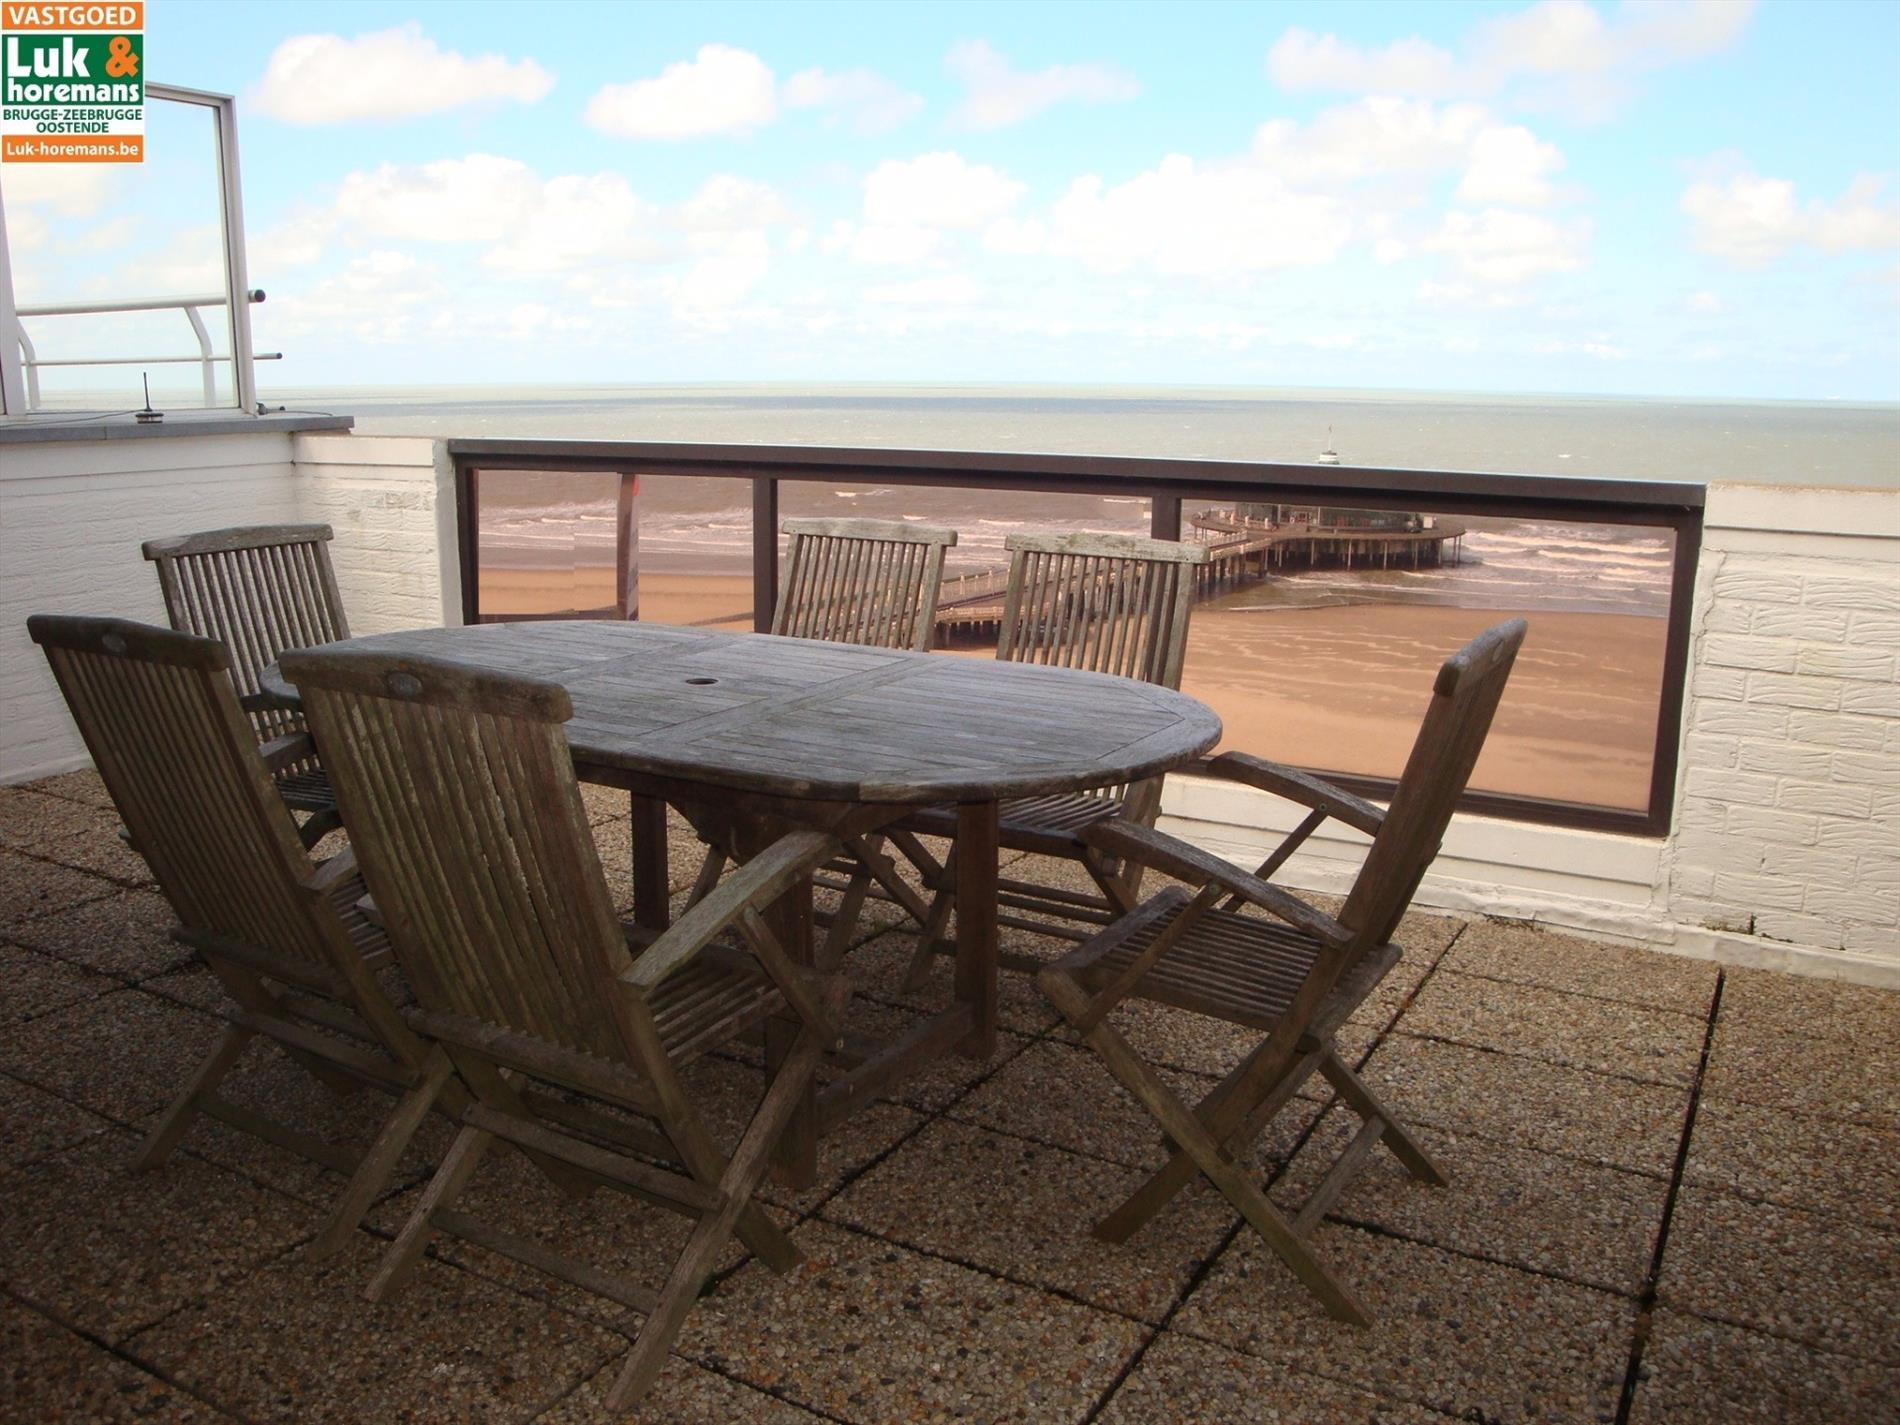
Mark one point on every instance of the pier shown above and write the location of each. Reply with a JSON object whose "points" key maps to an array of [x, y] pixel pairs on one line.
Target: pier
{"points": [[1246, 544]]}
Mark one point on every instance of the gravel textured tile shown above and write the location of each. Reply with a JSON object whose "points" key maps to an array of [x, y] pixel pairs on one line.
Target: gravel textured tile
{"points": [[1698, 1372], [38, 984], [127, 936], [1060, 1094], [30, 888], [112, 1250], [944, 1081], [1579, 1221], [51, 1373], [727, 1093], [1794, 1160], [1530, 955], [83, 785], [1529, 1104], [1449, 1332], [877, 970], [1184, 1381], [1023, 1210], [1576, 1031], [1802, 1005], [1815, 1066], [1822, 1278], [288, 1343], [271, 1083], [614, 840], [34, 1123], [869, 1331], [685, 1394], [72, 833], [121, 1054], [607, 1229]]}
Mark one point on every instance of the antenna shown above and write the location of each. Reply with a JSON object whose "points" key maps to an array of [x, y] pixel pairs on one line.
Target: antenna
{"points": [[148, 416]]}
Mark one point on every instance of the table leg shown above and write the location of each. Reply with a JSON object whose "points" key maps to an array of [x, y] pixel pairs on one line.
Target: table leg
{"points": [[649, 863], [977, 947]]}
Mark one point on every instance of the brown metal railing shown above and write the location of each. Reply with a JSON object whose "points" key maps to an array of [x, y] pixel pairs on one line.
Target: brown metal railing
{"points": [[1165, 483]]}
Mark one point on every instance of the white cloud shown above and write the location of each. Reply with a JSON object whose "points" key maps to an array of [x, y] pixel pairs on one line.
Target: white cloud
{"points": [[940, 190], [721, 90], [911, 205], [1303, 60], [388, 74], [867, 100], [374, 299], [1502, 248], [951, 289], [300, 239], [576, 219], [73, 190], [1561, 52], [998, 95], [1510, 166], [477, 198], [1374, 137], [1749, 221], [1707, 303], [1188, 220]]}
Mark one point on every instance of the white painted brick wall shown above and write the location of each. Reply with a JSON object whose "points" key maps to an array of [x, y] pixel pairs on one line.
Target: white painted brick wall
{"points": [[73, 514], [1788, 811]]}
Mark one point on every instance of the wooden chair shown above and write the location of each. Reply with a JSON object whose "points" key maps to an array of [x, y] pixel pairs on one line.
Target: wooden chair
{"points": [[459, 793], [1105, 603], [870, 582], [1294, 973], [259, 590], [283, 934]]}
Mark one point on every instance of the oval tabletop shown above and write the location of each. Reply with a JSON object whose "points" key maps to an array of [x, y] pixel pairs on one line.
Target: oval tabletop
{"points": [[797, 718]]}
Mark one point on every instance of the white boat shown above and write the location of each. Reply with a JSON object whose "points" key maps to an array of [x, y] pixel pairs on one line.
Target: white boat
{"points": [[1328, 456]]}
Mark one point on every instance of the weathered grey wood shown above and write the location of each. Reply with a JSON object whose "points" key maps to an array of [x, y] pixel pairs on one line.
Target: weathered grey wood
{"points": [[260, 590], [459, 789], [1100, 603], [872, 582], [1294, 973], [801, 720], [161, 719]]}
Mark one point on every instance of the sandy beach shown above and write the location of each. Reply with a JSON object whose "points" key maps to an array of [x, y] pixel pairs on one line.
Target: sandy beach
{"points": [[1340, 687]]}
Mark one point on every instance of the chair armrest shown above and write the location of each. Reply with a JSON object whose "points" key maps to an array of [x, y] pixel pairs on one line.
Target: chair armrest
{"points": [[1174, 857], [287, 751], [1301, 787], [261, 701], [759, 881]]}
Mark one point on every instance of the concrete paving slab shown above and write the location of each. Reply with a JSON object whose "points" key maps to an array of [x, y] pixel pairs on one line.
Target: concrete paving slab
{"points": [[1698, 1372], [1531, 955]]}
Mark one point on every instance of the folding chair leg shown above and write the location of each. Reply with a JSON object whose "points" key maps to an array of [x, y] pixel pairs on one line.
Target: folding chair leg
{"points": [[1366, 1104], [171, 1127], [373, 1172], [458, 1165], [941, 904], [748, 1164], [708, 877], [1180, 1124]]}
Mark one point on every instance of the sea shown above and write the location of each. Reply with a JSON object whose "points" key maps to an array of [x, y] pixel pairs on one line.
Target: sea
{"points": [[690, 525]]}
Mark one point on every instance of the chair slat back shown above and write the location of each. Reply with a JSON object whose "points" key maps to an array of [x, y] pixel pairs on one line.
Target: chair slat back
{"points": [[458, 790], [160, 716], [1464, 700], [1105, 603], [261, 590], [872, 582]]}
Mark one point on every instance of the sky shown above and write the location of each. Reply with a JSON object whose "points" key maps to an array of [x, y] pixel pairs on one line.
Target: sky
{"points": [[1659, 199]]}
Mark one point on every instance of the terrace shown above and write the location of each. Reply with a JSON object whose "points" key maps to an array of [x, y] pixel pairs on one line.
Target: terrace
{"points": [[1672, 1198], [1673, 1183]]}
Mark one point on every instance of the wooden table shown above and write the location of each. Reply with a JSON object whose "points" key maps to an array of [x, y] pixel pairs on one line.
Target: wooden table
{"points": [[755, 733]]}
